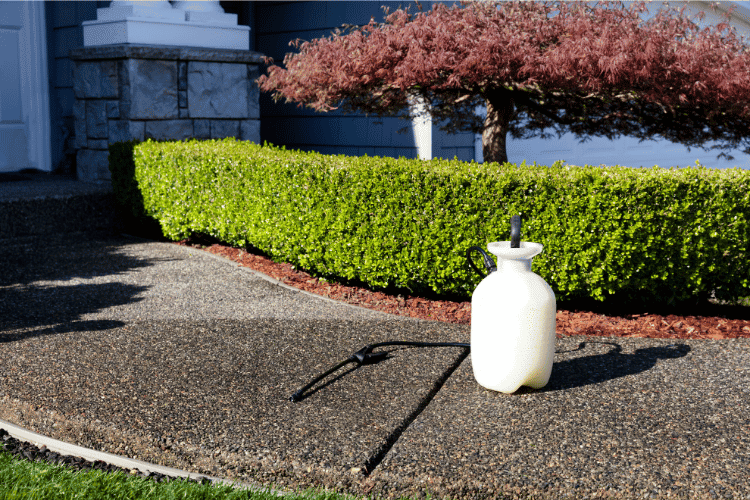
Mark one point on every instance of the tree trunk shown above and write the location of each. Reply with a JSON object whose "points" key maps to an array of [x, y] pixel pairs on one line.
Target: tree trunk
{"points": [[500, 111]]}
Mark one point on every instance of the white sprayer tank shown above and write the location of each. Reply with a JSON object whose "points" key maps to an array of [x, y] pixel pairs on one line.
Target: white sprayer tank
{"points": [[513, 322]]}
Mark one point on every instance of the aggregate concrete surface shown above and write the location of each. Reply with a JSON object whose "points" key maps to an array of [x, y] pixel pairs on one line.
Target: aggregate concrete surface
{"points": [[630, 418], [174, 356], [39, 186]]}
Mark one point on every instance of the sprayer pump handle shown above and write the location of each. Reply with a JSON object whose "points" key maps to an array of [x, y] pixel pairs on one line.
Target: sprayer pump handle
{"points": [[515, 231]]}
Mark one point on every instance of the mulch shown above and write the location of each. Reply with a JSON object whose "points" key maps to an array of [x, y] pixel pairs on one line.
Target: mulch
{"points": [[710, 321]]}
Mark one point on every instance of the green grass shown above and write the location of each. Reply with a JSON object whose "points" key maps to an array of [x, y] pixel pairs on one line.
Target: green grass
{"points": [[21, 479]]}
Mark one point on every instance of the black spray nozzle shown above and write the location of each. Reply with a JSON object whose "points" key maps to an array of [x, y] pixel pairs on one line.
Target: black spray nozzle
{"points": [[515, 231], [365, 356]]}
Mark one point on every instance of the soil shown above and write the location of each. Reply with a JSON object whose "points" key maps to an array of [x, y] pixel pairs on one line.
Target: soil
{"points": [[704, 321]]}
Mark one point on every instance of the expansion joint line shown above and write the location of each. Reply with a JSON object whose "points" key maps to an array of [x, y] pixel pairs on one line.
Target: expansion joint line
{"points": [[366, 356], [394, 436]]}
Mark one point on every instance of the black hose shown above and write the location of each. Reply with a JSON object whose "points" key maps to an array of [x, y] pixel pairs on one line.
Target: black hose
{"points": [[489, 264], [365, 356]]}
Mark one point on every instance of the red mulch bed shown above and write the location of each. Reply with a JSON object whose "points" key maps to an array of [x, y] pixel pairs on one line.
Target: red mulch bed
{"points": [[710, 321]]}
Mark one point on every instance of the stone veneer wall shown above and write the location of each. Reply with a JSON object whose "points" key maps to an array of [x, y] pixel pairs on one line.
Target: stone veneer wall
{"points": [[128, 92]]}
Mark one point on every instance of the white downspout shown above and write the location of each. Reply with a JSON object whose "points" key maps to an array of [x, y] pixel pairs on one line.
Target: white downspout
{"points": [[478, 150], [421, 123]]}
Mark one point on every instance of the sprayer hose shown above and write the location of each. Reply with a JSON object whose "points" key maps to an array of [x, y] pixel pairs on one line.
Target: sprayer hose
{"points": [[366, 356]]}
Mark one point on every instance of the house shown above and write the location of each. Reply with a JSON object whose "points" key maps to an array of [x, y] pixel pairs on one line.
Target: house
{"points": [[47, 123]]}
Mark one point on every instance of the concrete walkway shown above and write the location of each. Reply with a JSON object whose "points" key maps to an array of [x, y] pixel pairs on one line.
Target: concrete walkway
{"points": [[177, 357]]}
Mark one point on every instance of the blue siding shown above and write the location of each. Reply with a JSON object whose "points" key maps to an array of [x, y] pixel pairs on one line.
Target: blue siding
{"points": [[462, 153], [277, 23], [64, 33], [625, 151], [295, 17]]}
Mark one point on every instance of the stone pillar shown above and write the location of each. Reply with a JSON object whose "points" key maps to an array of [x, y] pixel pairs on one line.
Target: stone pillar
{"points": [[129, 91]]}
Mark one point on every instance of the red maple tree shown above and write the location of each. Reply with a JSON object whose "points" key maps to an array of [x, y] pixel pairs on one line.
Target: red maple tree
{"points": [[538, 68]]}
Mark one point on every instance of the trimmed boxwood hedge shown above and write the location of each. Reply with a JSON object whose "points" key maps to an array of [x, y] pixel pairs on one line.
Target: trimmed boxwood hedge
{"points": [[637, 235]]}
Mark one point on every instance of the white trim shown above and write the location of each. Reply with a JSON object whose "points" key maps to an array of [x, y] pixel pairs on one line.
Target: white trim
{"points": [[35, 86], [148, 31]]}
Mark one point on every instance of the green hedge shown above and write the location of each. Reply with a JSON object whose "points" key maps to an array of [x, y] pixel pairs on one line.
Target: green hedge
{"points": [[631, 234], [128, 198]]}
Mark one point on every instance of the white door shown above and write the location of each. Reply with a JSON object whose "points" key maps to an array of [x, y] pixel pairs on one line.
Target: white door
{"points": [[24, 89]]}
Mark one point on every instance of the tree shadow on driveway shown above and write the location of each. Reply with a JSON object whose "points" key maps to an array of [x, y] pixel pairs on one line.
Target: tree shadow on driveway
{"points": [[48, 285]]}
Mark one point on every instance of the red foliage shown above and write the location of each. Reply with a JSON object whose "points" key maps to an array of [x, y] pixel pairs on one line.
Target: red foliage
{"points": [[600, 70]]}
